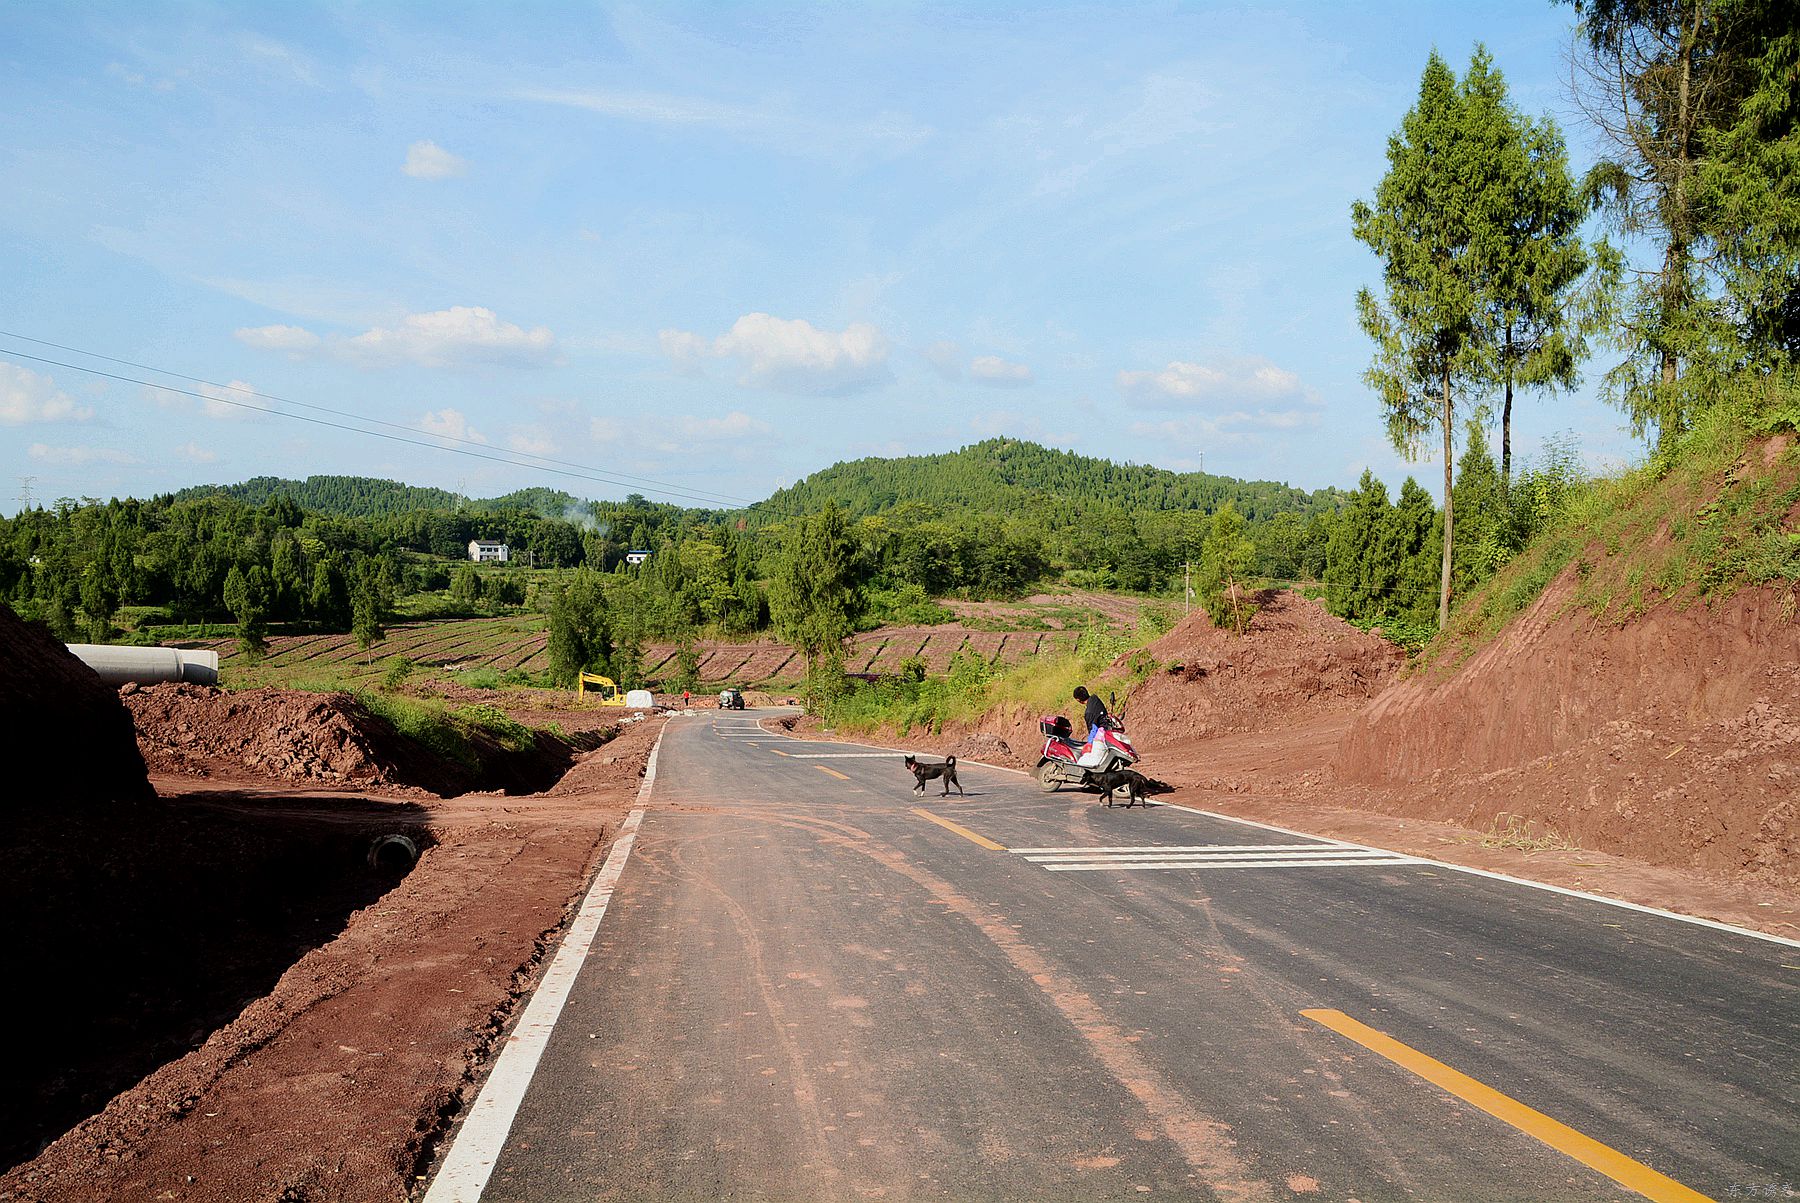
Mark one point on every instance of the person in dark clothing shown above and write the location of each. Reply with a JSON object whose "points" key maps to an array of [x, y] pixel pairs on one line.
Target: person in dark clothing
{"points": [[1094, 710]]}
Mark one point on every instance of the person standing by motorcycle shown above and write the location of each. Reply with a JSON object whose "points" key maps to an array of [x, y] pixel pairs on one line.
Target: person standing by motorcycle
{"points": [[1093, 711]]}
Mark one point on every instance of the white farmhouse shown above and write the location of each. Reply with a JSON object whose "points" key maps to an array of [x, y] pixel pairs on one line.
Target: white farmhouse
{"points": [[484, 551]]}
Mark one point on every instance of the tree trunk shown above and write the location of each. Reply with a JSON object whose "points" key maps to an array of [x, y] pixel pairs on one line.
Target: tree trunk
{"points": [[1506, 421], [1444, 582]]}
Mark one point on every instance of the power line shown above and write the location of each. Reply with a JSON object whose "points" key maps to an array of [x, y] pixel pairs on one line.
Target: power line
{"points": [[625, 479], [589, 475]]}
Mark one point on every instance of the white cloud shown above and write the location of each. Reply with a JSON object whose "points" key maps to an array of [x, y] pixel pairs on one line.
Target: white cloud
{"points": [[531, 440], [194, 453], [429, 161], [453, 337], [995, 371], [686, 350], [605, 430], [74, 457], [233, 401], [734, 425], [793, 355], [294, 340], [1230, 381], [450, 424], [945, 358], [25, 396]]}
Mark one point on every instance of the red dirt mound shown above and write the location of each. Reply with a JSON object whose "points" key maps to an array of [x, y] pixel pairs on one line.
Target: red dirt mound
{"points": [[68, 733], [1674, 739], [295, 736], [288, 736], [1294, 661]]}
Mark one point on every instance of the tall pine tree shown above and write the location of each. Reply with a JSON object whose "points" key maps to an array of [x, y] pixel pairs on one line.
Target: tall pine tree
{"points": [[1429, 227]]}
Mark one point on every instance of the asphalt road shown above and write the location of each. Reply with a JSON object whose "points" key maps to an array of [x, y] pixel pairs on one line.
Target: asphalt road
{"points": [[806, 989]]}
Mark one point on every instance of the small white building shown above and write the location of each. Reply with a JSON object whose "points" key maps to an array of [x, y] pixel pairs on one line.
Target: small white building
{"points": [[636, 556], [484, 551]]}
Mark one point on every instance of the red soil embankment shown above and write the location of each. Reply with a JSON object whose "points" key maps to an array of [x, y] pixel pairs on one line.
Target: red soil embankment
{"points": [[68, 736], [1673, 739], [1294, 661]]}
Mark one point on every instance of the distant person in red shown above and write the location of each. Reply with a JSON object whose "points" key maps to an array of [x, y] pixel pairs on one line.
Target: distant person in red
{"points": [[684, 700]]}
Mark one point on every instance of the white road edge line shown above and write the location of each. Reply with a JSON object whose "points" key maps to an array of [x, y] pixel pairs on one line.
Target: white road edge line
{"points": [[1169, 849], [1100, 866], [465, 1170], [1517, 881]]}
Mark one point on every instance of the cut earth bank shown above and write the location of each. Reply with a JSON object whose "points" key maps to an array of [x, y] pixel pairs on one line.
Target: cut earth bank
{"points": [[1657, 762], [244, 1006]]}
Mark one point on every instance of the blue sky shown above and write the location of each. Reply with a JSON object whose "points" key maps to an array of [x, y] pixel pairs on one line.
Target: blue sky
{"points": [[717, 247]]}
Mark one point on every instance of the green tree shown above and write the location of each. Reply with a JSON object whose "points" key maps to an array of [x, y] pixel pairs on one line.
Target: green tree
{"points": [[1748, 184], [1482, 511], [99, 598], [1409, 552], [1225, 562], [465, 586], [328, 602], [1660, 79], [246, 595], [580, 634], [813, 597], [367, 613], [1357, 584], [1431, 227], [1538, 319]]}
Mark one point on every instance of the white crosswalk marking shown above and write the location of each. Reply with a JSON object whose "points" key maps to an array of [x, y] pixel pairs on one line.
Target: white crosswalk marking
{"points": [[1209, 856]]}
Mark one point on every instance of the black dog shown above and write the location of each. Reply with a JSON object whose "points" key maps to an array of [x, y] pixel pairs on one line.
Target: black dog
{"points": [[925, 772], [1134, 783]]}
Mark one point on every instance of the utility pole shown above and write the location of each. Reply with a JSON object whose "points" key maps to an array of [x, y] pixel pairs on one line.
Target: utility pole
{"points": [[25, 483], [1187, 592]]}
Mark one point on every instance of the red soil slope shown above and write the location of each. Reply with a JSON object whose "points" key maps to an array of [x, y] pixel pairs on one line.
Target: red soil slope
{"points": [[1294, 661], [68, 734], [1674, 739]]}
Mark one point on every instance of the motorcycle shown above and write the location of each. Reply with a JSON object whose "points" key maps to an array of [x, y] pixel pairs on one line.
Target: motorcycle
{"points": [[1063, 762]]}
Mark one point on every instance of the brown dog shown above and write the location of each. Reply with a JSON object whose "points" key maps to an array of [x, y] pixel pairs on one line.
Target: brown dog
{"points": [[923, 772]]}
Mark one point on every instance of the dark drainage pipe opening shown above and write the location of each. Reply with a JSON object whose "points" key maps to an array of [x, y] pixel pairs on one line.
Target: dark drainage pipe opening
{"points": [[393, 853]]}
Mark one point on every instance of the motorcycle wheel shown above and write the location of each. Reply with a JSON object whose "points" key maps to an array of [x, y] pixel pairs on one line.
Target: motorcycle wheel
{"points": [[1048, 781]]}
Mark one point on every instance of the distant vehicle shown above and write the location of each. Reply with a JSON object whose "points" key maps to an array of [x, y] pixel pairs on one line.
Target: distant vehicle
{"points": [[605, 687], [731, 699]]}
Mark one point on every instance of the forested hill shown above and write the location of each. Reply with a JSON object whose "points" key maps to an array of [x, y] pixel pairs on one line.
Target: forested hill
{"points": [[1005, 477], [365, 497]]}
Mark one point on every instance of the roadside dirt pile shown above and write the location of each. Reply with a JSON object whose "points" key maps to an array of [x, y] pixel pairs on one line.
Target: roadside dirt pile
{"points": [[71, 737], [1294, 661], [330, 739], [196, 730], [1673, 739]]}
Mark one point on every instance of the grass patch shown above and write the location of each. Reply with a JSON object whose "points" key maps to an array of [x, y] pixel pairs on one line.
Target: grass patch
{"points": [[1107, 660], [1704, 518]]}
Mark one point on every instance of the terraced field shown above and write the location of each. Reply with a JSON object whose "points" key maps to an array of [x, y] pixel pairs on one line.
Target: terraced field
{"points": [[504, 644], [499, 643]]}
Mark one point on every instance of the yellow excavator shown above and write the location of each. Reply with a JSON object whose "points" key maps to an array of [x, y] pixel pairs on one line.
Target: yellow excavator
{"points": [[606, 687]]}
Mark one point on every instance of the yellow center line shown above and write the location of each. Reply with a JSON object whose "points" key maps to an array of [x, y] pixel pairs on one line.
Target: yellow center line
{"points": [[778, 751], [1633, 1175], [831, 772], [959, 829]]}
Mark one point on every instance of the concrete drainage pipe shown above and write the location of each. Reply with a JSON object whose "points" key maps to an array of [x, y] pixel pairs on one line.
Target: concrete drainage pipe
{"points": [[117, 664], [393, 853]]}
